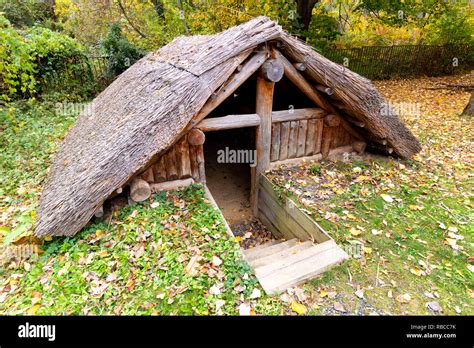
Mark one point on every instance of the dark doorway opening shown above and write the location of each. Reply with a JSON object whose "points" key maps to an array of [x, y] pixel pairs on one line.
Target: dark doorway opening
{"points": [[230, 183], [227, 155]]}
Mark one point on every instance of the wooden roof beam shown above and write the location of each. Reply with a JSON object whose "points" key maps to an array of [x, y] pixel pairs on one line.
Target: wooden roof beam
{"points": [[311, 92], [234, 82]]}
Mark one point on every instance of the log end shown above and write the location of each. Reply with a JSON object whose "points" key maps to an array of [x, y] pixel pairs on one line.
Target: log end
{"points": [[139, 190]]}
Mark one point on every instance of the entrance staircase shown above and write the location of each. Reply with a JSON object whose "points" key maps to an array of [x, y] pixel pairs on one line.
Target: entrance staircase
{"points": [[279, 265]]}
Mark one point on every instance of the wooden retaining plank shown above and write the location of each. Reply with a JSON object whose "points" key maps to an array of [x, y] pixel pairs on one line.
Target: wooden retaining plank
{"points": [[293, 139], [281, 219], [264, 261], [265, 215], [302, 128], [281, 222], [275, 151], [303, 221], [284, 138], [251, 254], [303, 270], [264, 271]]}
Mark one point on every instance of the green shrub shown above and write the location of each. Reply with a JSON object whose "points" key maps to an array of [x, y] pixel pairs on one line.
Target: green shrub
{"points": [[17, 66], [31, 59], [122, 54]]}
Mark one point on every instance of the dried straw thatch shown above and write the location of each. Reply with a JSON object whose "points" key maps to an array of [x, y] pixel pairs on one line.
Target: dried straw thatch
{"points": [[145, 110]]}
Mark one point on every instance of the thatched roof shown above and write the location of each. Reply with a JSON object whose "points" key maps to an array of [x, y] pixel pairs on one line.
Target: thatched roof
{"points": [[145, 109]]}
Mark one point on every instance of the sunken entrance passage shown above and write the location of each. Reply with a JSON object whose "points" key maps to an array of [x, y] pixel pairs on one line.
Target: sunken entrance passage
{"points": [[229, 155]]}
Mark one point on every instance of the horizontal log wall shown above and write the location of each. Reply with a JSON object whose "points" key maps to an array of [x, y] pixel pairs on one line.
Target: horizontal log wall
{"points": [[181, 161], [306, 137]]}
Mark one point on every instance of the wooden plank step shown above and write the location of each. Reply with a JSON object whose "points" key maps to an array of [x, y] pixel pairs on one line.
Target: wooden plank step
{"points": [[302, 270], [252, 254], [262, 261], [263, 271], [260, 247]]}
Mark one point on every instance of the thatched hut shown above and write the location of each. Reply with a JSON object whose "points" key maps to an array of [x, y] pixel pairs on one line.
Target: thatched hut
{"points": [[146, 130]]}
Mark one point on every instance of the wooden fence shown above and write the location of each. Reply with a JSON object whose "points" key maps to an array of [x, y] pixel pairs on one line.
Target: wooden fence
{"points": [[384, 62]]}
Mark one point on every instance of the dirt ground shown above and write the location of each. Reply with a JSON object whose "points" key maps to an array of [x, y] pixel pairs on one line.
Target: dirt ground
{"points": [[230, 187], [229, 184]]}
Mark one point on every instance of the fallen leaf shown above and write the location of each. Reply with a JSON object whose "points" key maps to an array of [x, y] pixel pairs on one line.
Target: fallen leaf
{"points": [[387, 198], [418, 272], [244, 309], [354, 231], [339, 307], [434, 306], [215, 290], [255, 294], [33, 309], [219, 304], [216, 261], [359, 293], [298, 308], [300, 294], [192, 264], [405, 298], [455, 236]]}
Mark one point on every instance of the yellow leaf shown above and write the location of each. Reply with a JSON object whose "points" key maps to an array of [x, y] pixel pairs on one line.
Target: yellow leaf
{"points": [[99, 233], [351, 217], [418, 272], [323, 293], [298, 308], [238, 238], [361, 178], [414, 207], [451, 241], [354, 231], [33, 309], [48, 238], [470, 293], [367, 250]]}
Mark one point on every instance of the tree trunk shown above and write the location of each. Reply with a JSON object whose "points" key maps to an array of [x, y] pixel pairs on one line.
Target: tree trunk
{"points": [[469, 109], [305, 11]]}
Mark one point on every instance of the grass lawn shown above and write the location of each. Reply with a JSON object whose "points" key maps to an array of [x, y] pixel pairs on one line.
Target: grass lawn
{"points": [[171, 255]]}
